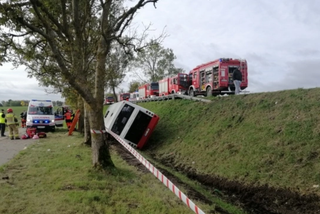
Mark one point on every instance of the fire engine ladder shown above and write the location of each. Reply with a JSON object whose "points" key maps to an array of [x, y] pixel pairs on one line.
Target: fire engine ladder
{"points": [[242, 63]]}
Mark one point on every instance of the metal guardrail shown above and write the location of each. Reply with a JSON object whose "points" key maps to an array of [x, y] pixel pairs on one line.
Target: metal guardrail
{"points": [[171, 97]]}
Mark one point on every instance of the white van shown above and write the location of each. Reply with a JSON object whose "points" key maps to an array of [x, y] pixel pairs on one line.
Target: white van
{"points": [[133, 123], [40, 115]]}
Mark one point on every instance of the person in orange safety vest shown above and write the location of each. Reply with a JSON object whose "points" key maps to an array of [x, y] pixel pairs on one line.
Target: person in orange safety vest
{"points": [[68, 119]]}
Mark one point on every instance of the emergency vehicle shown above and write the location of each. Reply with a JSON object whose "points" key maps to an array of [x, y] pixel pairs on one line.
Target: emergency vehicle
{"points": [[143, 91], [123, 96], [176, 84], [131, 122], [149, 90], [215, 77], [134, 96], [108, 101], [153, 89], [40, 115]]}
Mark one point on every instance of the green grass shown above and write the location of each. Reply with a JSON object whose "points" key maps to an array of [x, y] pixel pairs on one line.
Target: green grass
{"points": [[55, 175], [264, 138]]}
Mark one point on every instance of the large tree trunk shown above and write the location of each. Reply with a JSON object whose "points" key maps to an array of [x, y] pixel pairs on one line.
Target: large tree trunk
{"points": [[87, 134], [114, 93], [100, 147], [81, 118]]}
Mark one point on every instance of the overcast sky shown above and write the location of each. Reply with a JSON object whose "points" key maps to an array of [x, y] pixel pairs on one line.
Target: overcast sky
{"points": [[279, 39]]}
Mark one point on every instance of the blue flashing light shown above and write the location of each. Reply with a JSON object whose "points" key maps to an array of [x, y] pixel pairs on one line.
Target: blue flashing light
{"points": [[41, 100]]}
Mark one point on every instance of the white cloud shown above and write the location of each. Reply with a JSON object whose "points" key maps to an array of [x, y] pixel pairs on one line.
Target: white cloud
{"points": [[15, 85], [277, 38]]}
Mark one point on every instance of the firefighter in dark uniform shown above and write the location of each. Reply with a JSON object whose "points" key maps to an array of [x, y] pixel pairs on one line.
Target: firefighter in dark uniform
{"points": [[23, 116], [2, 122]]}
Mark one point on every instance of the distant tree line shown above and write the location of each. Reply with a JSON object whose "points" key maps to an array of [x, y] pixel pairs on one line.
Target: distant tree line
{"points": [[24, 103]]}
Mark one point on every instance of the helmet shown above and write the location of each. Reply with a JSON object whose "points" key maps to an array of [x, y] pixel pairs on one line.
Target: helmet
{"points": [[9, 110]]}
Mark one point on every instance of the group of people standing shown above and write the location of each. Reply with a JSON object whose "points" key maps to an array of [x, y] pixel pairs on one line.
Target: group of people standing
{"points": [[10, 120]]}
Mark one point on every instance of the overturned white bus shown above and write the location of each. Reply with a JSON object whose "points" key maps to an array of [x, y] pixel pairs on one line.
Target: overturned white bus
{"points": [[131, 122]]}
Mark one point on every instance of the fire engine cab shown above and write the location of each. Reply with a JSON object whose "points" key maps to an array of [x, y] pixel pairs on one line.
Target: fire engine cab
{"points": [[149, 90], [177, 84], [215, 77]]}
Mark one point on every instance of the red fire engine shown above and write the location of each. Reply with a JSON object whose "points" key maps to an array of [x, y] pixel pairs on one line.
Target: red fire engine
{"points": [[171, 85], [149, 90], [123, 96], [216, 77], [153, 89], [108, 101], [142, 91]]}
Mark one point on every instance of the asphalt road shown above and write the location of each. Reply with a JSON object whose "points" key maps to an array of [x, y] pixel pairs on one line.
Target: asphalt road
{"points": [[10, 148]]}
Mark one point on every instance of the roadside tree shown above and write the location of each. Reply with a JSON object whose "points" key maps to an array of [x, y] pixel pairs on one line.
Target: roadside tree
{"points": [[134, 86], [64, 40], [155, 62]]}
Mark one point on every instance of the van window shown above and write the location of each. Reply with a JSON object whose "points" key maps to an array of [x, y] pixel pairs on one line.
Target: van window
{"points": [[37, 110], [138, 127], [122, 119]]}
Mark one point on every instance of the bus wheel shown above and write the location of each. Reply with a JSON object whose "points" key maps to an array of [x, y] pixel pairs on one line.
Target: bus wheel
{"points": [[191, 93], [209, 92]]}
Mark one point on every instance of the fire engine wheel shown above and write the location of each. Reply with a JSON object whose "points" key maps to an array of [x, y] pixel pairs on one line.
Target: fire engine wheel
{"points": [[191, 93], [209, 92]]}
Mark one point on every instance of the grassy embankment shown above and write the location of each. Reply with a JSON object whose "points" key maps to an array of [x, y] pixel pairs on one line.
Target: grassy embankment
{"points": [[54, 175], [265, 138]]}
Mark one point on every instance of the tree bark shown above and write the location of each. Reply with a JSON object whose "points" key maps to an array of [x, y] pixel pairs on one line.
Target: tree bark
{"points": [[81, 118], [87, 134], [100, 147]]}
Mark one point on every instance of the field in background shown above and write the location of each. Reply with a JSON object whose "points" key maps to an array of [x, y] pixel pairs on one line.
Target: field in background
{"points": [[16, 110]]}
